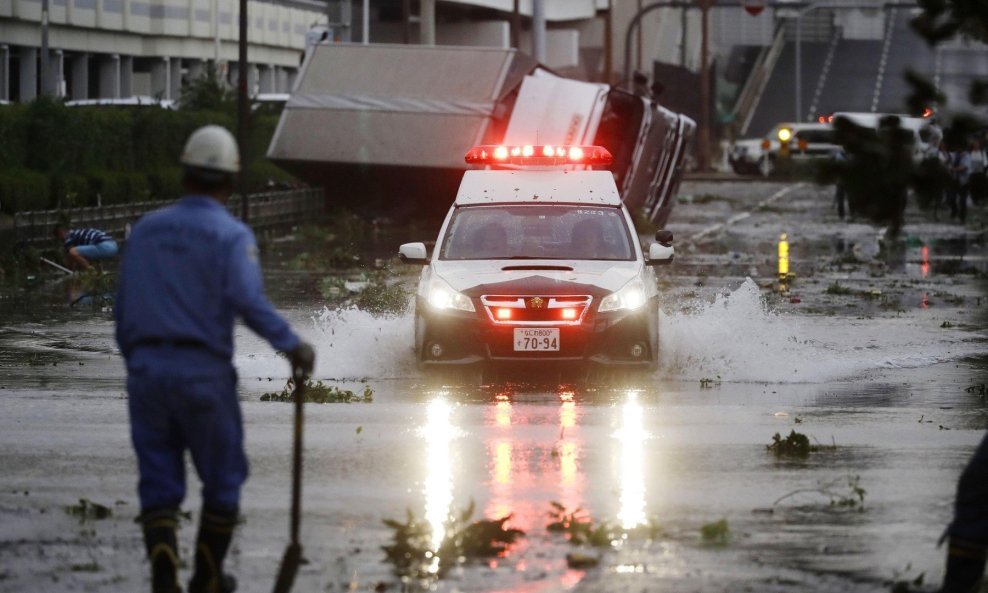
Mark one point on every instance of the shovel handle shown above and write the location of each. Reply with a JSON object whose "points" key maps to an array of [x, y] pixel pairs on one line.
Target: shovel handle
{"points": [[299, 397]]}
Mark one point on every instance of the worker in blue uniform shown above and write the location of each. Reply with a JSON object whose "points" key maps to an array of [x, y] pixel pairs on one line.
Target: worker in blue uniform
{"points": [[190, 269]]}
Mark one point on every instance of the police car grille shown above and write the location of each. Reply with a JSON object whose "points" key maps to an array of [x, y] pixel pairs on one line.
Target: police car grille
{"points": [[536, 309]]}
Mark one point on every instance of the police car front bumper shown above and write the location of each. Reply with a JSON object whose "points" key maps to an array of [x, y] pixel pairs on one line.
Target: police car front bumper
{"points": [[613, 339]]}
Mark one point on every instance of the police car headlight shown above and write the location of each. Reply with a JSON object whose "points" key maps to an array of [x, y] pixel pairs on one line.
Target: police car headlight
{"points": [[442, 297], [631, 297]]}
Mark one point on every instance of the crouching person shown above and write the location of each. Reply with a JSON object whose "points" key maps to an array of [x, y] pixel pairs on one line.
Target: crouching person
{"points": [[189, 271], [84, 247]]}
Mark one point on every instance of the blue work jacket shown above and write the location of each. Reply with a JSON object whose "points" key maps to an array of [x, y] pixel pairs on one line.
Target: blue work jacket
{"points": [[188, 271]]}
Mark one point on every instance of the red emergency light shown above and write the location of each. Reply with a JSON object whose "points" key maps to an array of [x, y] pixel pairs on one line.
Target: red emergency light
{"points": [[546, 155]]}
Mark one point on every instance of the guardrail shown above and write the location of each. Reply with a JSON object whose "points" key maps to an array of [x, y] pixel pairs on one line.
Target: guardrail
{"points": [[264, 211]]}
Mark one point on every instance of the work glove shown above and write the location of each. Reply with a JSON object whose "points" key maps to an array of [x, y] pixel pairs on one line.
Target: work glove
{"points": [[303, 359]]}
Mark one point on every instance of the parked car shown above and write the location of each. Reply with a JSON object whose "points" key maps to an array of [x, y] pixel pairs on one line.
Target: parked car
{"points": [[799, 142]]}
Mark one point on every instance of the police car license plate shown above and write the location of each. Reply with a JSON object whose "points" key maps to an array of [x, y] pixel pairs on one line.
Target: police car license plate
{"points": [[528, 339]]}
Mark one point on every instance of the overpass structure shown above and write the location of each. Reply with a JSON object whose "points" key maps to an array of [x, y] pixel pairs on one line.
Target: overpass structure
{"points": [[856, 60]]}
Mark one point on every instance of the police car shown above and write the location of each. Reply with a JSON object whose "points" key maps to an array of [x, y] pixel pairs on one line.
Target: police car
{"points": [[538, 262]]}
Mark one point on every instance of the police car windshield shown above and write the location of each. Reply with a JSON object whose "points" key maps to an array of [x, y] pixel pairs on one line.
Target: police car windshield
{"points": [[545, 231]]}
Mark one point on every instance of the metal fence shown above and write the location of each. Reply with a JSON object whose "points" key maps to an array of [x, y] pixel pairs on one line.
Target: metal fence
{"points": [[264, 211]]}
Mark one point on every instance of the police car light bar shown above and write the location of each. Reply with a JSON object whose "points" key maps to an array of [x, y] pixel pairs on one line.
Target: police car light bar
{"points": [[538, 155]]}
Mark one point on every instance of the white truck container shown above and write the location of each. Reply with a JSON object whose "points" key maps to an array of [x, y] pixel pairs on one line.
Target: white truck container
{"points": [[384, 127]]}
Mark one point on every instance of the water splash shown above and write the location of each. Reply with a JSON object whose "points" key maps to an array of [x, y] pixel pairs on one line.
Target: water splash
{"points": [[349, 344], [738, 338]]}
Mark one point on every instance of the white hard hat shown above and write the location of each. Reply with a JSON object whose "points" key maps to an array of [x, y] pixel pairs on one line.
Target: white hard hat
{"points": [[214, 148]]}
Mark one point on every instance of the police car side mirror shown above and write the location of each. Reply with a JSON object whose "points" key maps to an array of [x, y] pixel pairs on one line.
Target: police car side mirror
{"points": [[661, 252], [660, 255], [413, 253]]}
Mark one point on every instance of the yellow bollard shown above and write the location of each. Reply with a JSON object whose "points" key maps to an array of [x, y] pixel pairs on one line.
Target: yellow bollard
{"points": [[783, 261]]}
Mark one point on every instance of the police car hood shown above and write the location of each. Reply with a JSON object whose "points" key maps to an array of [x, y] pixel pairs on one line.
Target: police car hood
{"points": [[536, 276]]}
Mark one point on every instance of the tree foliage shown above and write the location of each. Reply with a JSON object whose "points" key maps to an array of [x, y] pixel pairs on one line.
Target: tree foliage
{"points": [[54, 156]]}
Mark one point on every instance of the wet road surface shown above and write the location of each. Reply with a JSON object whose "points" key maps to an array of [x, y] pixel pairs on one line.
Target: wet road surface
{"points": [[877, 373]]}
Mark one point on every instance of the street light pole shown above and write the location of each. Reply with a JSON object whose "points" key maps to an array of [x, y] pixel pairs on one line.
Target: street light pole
{"points": [[45, 64], [243, 110], [799, 67]]}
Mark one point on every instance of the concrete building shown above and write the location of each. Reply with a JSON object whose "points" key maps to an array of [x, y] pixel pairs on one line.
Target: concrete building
{"points": [[120, 48]]}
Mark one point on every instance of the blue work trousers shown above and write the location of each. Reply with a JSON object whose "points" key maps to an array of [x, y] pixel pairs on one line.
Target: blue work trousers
{"points": [[185, 399], [971, 507]]}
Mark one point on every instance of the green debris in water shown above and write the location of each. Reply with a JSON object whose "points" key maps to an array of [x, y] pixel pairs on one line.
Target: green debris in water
{"points": [[717, 533], [317, 392], [87, 510], [412, 556], [91, 566], [578, 561], [835, 288], [579, 527], [383, 296], [794, 445], [844, 493]]}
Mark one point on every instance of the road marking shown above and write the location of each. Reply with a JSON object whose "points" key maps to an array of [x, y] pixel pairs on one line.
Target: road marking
{"points": [[743, 215]]}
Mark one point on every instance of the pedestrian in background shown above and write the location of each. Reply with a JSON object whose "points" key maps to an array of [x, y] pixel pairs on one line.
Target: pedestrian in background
{"points": [[190, 269], [979, 167], [83, 247], [960, 173], [840, 194]]}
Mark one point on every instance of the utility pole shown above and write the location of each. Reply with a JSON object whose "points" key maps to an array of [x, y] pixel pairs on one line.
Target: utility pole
{"points": [[406, 21], [427, 22], [704, 152], [516, 25], [608, 43], [243, 110], [538, 30], [365, 22], [638, 42]]}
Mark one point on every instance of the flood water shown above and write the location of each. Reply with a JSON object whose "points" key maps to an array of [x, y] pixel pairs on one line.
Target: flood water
{"points": [[881, 374]]}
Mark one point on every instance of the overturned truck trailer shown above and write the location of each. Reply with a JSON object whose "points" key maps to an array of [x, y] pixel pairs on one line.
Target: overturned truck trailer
{"points": [[384, 128]]}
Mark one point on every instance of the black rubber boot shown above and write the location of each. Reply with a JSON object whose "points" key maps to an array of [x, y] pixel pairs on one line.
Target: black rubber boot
{"points": [[215, 533], [965, 566], [162, 548]]}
